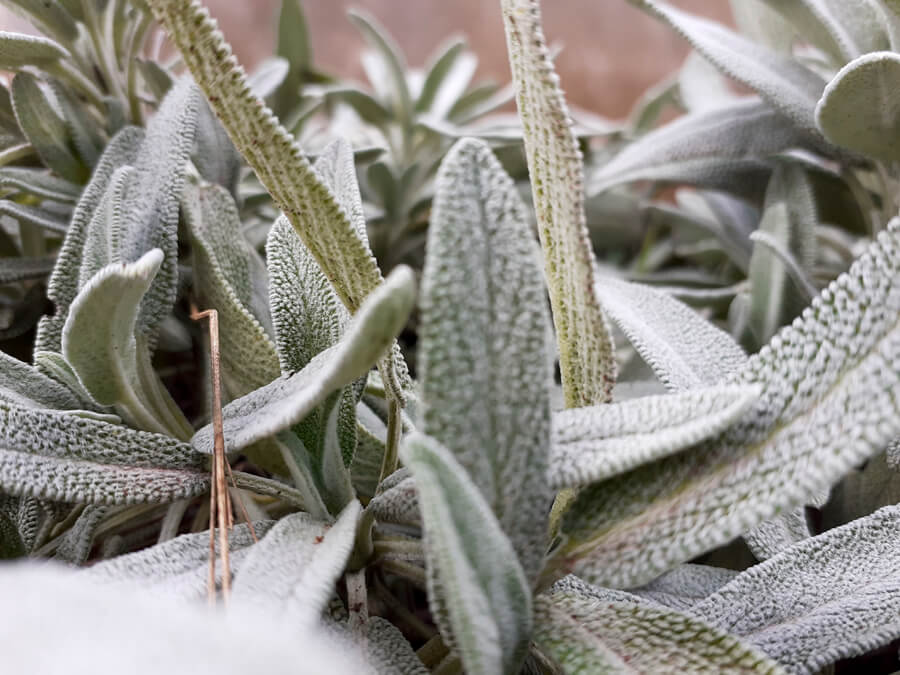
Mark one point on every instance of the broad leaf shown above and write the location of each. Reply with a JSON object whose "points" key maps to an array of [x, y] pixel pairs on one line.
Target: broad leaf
{"points": [[51, 17], [278, 162], [388, 651], [287, 400], [478, 593], [557, 179], [293, 569], [684, 350], [827, 598], [18, 50], [584, 634], [782, 81], [598, 442], [860, 108], [685, 586], [828, 403], [22, 384], [483, 352]]}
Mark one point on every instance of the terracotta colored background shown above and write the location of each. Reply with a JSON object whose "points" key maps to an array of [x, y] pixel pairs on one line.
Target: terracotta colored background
{"points": [[612, 52]]}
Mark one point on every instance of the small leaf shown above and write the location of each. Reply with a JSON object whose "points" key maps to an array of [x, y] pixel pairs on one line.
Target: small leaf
{"points": [[477, 591], [860, 107], [684, 350], [293, 569], [284, 402], [75, 545], [796, 607], [784, 82], [23, 384], [18, 50], [483, 352], [397, 502], [268, 76], [598, 442], [51, 17], [586, 635], [389, 54], [45, 129], [388, 651], [295, 46], [557, 180], [447, 78]]}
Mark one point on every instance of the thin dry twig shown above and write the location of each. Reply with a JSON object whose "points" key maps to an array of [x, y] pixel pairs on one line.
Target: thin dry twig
{"points": [[219, 499]]}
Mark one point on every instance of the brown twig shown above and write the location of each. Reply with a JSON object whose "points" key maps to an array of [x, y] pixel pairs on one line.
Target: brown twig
{"points": [[219, 499]]}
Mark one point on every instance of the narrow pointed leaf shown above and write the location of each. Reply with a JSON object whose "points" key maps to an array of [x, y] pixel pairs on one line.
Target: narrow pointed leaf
{"points": [[557, 180], [23, 384], [483, 353], [287, 400], [828, 403], [827, 598], [782, 81], [860, 108], [586, 635], [293, 569], [478, 593], [18, 50], [684, 350], [598, 442], [39, 183], [51, 17], [34, 215], [389, 54], [296, 189]]}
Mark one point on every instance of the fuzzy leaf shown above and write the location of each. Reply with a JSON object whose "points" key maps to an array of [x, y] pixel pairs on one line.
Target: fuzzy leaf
{"points": [[684, 350], [860, 108], [287, 400], [388, 651], [397, 503], [595, 443], [25, 269], [557, 178], [584, 634], [391, 61], [75, 545], [22, 384], [222, 279], [18, 50], [64, 282], [141, 634], [827, 598], [34, 215], [45, 129], [784, 82], [51, 17], [39, 183], [477, 590], [294, 567], [727, 147], [483, 352], [685, 586], [320, 220], [829, 392]]}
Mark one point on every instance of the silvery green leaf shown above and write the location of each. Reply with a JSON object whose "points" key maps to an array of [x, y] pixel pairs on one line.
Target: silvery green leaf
{"points": [[701, 87], [862, 491], [11, 545], [51, 17], [46, 129], [586, 350], [154, 195], [178, 568], [773, 536], [157, 78], [779, 79], [762, 24], [827, 404], [727, 147], [287, 400], [82, 128], [293, 569], [216, 158], [450, 62], [484, 358], [685, 586], [25, 268], [64, 282], [860, 107], [142, 633], [55, 366], [390, 56], [365, 469], [364, 104], [223, 281], [38, 183], [388, 651], [268, 76], [34, 215], [789, 217], [294, 45], [684, 350], [827, 598], [18, 50], [584, 634], [98, 341], [397, 503], [23, 384], [89, 482], [105, 229], [319, 218], [76, 543], [598, 442], [478, 593]]}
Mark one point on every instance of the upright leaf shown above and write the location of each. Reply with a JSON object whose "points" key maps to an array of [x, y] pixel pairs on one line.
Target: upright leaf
{"points": [[483, 353], [829, 401], [555, 165], [478, 593], [827, 598], [296, 189]]}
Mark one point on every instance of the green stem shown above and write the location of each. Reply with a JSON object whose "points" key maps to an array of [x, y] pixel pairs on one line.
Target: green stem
{"points": [[75, 77], [15, 152], [392, 442], [413, 573]]}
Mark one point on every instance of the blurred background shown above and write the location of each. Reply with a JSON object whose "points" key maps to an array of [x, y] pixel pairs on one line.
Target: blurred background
{"points": [[611, 51]]}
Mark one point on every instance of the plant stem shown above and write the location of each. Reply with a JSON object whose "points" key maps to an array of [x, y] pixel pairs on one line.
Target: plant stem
{"points": [[392, 442]]}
